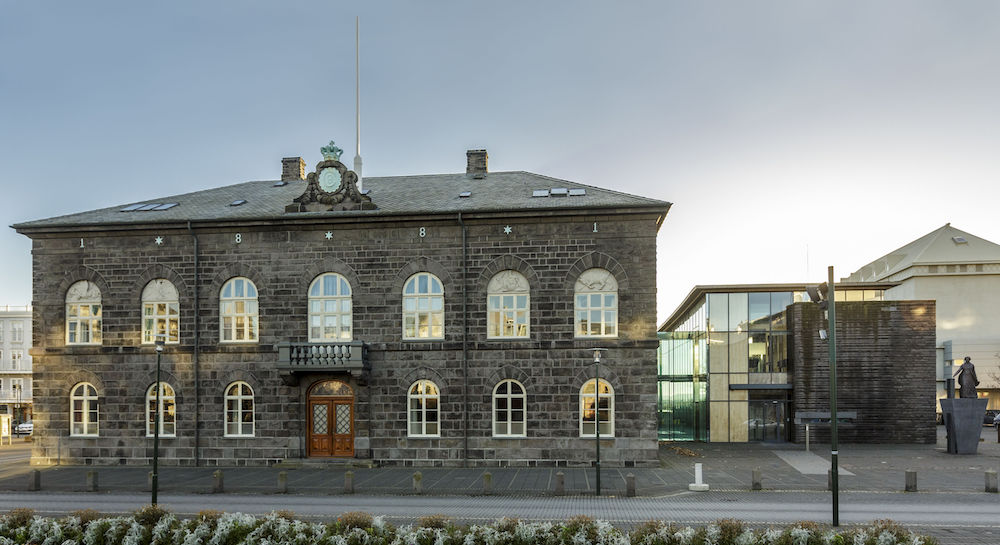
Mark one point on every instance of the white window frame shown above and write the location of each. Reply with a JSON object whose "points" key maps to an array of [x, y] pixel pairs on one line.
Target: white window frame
{"points": [[83, 308], [423, 305], [168, 410], [418, 397], [16, 360], [508, 306], [86, 394], [607, 393], [235, 410], [16, 332], [230, 308], [596, 291], [330, 306], [505, 427], [160, 312]]}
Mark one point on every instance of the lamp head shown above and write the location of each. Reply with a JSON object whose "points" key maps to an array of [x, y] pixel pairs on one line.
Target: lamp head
{"points": [[159, 345], [597, 354]]}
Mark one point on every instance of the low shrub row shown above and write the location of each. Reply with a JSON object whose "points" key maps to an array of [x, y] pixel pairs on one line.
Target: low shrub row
{"points": [[155, 526]]}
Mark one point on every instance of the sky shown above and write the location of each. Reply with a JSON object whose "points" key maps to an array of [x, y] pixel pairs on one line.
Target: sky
{"points": [[789, 135]]}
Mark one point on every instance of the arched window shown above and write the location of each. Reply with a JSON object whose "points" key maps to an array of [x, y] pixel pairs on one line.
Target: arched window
{"points": [[507, 306], [239, 410], [596, 305], [425, 416], [508, 409], [83, 410], [238, 320], [83, 313], [423, 307], [160, 312], [330, 308], [168, 414], [603, 402]]}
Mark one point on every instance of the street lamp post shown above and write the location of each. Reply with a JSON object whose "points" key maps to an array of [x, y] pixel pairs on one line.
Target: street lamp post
{"points": [[834, 451], [156, 423], [597, 415]]}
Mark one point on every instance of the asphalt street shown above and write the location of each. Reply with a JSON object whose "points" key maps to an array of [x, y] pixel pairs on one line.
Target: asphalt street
{"points": [[950, 504]]}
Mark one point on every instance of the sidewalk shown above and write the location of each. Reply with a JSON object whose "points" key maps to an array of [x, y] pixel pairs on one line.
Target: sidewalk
{"points": [[784, 467]]}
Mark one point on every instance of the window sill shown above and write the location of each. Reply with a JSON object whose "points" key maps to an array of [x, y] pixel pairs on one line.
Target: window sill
{"points": [[423, 436], [162, 436], [238, 436], [85, 436], [510, 436]]}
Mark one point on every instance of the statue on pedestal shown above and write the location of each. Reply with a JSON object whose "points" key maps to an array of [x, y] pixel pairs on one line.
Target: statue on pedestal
{"points": [[967, 380]]}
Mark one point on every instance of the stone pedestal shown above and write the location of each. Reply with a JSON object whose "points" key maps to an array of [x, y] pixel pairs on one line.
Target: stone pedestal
{"points": [[964, 419]]}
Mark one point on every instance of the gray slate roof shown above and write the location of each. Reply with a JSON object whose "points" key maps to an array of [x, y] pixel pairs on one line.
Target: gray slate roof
{"points": [[394, 195]]}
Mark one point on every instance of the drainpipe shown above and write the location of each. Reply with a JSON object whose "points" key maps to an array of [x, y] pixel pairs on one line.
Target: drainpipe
{"points": [[194, 356], [465, 345]]}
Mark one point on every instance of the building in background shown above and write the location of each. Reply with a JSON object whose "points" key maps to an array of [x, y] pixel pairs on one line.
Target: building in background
{"points": [[441, 319], [962, 273], [15, 362], [737, 362]]}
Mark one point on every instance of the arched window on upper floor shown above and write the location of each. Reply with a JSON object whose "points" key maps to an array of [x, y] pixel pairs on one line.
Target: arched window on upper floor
{"points": [[330, 316], [83, 313], [238, 318], [423, 307], [508, 306], [160, 312], [596, 304]]}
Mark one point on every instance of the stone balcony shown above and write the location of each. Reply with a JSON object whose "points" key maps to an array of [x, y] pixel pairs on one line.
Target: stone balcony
{"points": [[295, 359]]}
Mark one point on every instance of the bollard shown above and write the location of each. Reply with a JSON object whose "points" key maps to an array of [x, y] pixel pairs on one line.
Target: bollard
{"points": [[487, 483], [35, 480], [149, 481], [560, 483], [698, 485], [217, 487], [755, 479], [991, 481], [630, 486], [282, 482], [92, 481], [418, 482], [911, 480], [348, 482]]}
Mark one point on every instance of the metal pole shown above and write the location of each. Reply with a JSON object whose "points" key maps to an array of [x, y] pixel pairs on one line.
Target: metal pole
{"points": [[156, 424], [597, 415], [832, 320]]}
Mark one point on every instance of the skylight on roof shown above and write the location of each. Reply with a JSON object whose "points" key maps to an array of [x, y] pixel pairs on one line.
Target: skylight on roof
{"points": [[280, 183], [577, 192], [960, 240], [148, 206], [540, 193], [559, 192], [131, 207], [465, 194], [238, 202], [166, 206]]}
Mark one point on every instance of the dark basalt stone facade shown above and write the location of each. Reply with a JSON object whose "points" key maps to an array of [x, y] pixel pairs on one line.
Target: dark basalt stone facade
{"points": [[376, 251]]}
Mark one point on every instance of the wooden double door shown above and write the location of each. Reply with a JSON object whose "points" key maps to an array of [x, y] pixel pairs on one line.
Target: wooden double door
{"points": [[331, 420]]}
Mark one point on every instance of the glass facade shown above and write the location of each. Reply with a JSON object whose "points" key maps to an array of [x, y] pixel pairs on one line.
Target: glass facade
{"points": [[723, 372]]}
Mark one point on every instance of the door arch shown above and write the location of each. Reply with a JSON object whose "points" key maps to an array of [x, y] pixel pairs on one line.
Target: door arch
{"points": [[330, 420]]}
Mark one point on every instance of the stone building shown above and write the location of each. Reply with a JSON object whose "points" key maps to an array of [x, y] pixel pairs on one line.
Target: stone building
{"points": [[433, 320], [15, 362]]}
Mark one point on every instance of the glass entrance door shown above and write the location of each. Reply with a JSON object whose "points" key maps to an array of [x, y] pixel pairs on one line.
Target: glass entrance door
{"points": [[767, 421]]}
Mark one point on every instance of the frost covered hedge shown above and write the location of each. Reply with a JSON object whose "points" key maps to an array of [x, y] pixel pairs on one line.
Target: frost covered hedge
{"points": [[154, 526]]}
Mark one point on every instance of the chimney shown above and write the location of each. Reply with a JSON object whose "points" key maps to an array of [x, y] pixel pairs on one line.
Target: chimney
{"points": [[293, 168], [475, 166]]}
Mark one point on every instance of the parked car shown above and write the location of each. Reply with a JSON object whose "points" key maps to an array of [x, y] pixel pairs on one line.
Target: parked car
{"points": [[996, 421], [990, 416], [25, 428]]}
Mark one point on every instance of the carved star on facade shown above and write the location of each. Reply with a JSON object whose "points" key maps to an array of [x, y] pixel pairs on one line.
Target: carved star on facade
{"points": [[329, 235], [507, 230], [158, 240]]}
